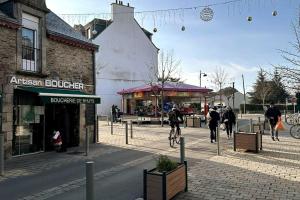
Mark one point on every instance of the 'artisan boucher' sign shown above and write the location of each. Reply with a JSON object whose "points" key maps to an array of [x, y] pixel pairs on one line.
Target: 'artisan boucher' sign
{"points": [[47, 83]]}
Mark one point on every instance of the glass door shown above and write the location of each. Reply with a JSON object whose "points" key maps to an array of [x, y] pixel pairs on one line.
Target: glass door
{"points": [[28, 129]]}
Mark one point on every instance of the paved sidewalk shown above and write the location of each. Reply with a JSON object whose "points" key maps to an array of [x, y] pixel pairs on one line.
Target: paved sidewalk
{"points": [[273, 173]]}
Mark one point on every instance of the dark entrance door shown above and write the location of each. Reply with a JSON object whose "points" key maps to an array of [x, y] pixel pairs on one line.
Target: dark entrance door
{"points": [[65, 119]]}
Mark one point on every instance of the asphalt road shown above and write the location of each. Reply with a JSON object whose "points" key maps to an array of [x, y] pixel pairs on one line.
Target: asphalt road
{"points": [[118, 173]]}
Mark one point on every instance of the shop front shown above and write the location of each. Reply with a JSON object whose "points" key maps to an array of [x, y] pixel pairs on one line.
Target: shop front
{"points": [[41, 109], [146, 99]]}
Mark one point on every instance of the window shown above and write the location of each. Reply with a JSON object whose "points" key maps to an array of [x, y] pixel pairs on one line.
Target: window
{"points": [[30, 52], [28, 44]]}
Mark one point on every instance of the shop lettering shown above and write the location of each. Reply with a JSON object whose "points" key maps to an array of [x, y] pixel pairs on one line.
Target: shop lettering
{"points": [[65, 100], [47, 83]]}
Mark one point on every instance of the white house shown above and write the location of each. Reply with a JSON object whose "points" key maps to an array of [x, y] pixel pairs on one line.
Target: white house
{"points": [[238, 100], [127, 56]]}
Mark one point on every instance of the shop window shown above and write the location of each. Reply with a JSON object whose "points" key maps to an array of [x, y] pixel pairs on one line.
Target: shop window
{"points": [[30, 51], [28, 131]]}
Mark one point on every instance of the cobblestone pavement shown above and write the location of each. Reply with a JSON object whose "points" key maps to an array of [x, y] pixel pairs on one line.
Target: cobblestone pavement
{"points": [[274, 173]]}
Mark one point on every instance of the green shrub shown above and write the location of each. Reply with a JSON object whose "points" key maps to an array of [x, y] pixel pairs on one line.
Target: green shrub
{"points": [[164, 164]]}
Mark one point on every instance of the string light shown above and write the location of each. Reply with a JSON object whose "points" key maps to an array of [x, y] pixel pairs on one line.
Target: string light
{"points": [[172, 15]]}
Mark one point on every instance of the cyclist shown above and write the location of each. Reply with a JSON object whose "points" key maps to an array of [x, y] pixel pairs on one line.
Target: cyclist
{"points": [[175, 117]]}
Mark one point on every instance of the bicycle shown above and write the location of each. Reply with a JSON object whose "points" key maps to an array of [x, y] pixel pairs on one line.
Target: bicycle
{"points": [[295, 131], [293, 119], [174, 136]]}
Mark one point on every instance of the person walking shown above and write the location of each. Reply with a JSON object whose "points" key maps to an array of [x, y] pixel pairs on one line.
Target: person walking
{"points": [[228, 119], [213, 118], [273, 114]]}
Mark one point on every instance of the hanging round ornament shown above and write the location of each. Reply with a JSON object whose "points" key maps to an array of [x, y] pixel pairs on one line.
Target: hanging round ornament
{"points": [[274, 13], [155, 30], [183, 28], [206, 14]]}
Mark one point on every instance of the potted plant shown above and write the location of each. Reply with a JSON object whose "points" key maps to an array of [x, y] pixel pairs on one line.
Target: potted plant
{"points": [[166, 180]]}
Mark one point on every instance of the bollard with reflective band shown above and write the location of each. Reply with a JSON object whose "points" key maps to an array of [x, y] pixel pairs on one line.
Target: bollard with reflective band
{"points": [[90, 180], [182, 150], [131, 131], [218, 140], [126, 132], [1, 154], [111, 125]]}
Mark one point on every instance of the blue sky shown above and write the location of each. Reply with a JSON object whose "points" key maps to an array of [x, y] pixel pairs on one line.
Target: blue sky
{"points": [[228, 41]]}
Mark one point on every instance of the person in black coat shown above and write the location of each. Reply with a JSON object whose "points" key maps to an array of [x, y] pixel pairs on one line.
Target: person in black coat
{"points": [[229, 120], [213, 119], [273, 114]]}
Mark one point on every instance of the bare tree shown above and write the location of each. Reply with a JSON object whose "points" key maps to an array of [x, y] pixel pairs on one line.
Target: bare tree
{"points": [[168, 70], [290, 72], [219, 77]]}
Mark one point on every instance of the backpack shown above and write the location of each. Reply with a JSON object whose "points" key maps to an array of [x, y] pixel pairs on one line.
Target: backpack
{"points": [[172, 116]]}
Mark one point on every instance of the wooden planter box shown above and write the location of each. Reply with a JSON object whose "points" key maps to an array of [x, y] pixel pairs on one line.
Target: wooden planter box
{"points": [[193, 122], [247, 141], [164, 186]]}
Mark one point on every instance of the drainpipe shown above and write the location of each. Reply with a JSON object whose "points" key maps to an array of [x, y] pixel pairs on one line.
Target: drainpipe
{"points": [[95, 106]]}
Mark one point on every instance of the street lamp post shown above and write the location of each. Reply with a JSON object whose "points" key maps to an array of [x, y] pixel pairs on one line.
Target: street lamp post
{"points": [[200, 75]]}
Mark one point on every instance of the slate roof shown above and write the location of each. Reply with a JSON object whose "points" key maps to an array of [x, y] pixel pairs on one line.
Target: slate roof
{"points": [[169, 86], [56, 25]]}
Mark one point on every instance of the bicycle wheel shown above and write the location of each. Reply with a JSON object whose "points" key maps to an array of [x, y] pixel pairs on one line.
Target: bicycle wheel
{"points": [[290, 119], [295, 131], [171, 138], [177, 136]]}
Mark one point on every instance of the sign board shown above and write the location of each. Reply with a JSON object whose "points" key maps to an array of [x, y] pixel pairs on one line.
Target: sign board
{"points": [[293, 99], [70, 100], [61, 84]]}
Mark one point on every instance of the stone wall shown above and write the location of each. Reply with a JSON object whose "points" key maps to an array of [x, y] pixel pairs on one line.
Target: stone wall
{"points": [[7, 67], [70, 63]]}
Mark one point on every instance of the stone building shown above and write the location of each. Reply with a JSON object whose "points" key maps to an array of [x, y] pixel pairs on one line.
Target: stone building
{"points": [[47, 79], [127, 56]]}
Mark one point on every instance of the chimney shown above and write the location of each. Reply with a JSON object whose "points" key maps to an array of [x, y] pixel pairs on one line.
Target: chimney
{"points": [[122, 12]]}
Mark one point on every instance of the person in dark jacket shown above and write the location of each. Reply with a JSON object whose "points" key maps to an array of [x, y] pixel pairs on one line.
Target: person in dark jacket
{"points": [[229, 120], [175, 117], [213, 118], [273, 114]]}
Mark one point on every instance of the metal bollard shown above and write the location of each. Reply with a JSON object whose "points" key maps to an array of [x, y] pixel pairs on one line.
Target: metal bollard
{"points": [[87, 144], [111, 125], [126, 132], [182, 150], [218, 141], [131, 130], [251, 125], [90, 180], [1, 154]]}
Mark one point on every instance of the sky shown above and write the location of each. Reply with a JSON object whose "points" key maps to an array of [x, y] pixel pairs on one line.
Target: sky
{"points": [[228, 41]]}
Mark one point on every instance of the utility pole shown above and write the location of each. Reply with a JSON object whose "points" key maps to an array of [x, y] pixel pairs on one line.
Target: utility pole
{"points": [[200, 94], [200, 75], [244, 94], [233, 91]]}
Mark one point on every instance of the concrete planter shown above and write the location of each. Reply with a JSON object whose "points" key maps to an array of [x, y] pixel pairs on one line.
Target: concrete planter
{"points": [[247, 141], [164, 186]]}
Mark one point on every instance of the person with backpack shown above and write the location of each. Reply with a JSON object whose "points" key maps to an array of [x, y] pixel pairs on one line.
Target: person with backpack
{"points": [[213, 118], [175, 117]]}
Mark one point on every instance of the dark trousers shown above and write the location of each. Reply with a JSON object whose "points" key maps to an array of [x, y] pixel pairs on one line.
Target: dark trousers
{"points": [[213, 132], [228, 128]]}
